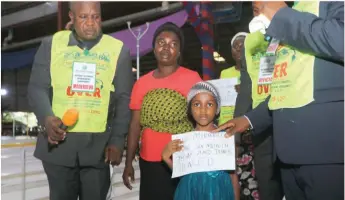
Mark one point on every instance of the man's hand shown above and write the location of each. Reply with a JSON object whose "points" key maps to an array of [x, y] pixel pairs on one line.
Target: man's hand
{"points": [[236, 125], [128, 176], [54, 133], [269, 8], [113, 155]]}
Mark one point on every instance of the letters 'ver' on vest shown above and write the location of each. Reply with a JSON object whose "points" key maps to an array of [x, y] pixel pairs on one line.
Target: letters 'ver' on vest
{"points": [[293, 78]]}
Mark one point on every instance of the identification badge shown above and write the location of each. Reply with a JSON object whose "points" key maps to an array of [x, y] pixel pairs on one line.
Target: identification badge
{"points": [[266, 70], [272, 47], [84, 77]]}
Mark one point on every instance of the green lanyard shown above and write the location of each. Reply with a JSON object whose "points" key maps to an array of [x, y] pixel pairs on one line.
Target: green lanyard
{"points": [[86, 51]]}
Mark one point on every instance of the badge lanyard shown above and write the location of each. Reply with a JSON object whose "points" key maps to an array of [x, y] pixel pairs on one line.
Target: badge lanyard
{"points": [[267, 63], [86, 51], [84, 77]]}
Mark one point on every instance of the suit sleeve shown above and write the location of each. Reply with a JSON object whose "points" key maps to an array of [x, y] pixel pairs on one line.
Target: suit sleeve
{"points": [[39, 86], [123, 82], [323, 37], [260, 117]]}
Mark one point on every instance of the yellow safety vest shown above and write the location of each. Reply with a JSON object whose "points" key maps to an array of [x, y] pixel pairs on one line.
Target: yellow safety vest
{"points": [[227, 112], [255, 49], [293, 77], [92, 106]]}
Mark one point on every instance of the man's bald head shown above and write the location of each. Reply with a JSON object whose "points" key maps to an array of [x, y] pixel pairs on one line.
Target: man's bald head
{"points": [[86, 19], [75, 4]]}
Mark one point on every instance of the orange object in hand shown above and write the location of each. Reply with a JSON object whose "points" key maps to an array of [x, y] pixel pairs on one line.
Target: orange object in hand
{"points": [[69, 118]]}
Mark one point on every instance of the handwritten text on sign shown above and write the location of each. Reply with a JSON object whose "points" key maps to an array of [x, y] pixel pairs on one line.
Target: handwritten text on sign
{"points": [[202, 152]]}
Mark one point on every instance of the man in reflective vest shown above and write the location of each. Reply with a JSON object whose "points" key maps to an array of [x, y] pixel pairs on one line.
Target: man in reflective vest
{"points": [[306, 103], [91, 72]]}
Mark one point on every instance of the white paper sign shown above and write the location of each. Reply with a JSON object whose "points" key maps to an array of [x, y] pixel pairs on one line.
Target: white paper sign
{"points": [[202, 152], [84, 77], [226, 89]]}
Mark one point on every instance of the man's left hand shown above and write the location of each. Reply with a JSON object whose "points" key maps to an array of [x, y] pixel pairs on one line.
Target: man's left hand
{"points": [[270, 8], [113, 155]]}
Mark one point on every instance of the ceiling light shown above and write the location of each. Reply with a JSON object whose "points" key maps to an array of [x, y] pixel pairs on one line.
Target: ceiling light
{"points": [[217, 57], [3, 92]]}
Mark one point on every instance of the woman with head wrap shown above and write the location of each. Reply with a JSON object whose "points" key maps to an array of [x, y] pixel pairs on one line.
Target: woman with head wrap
{"points": [[159, 109], [245, 162], [233, 72], [237, 43]]}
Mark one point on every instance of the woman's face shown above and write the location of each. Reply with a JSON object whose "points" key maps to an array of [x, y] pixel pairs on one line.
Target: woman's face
{"points": [[237, 49], [167, 48]]}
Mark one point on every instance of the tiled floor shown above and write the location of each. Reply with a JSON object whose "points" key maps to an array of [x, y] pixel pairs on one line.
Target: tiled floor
{"points": [[36, 181]]}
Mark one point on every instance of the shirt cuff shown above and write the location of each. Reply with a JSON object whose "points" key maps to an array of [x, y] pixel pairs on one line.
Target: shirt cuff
{"points": [[251, 125]]}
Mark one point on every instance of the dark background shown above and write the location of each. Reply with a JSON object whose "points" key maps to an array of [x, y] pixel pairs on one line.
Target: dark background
{"points": [[15, 81]]}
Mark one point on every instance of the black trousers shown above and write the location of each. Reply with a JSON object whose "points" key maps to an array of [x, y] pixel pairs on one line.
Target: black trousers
{"points": [[155, 181], [69, 183], [267, 171], [313, 182]]}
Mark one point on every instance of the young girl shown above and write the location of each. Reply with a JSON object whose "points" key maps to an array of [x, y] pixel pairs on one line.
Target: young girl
{"points": [[203, 108]]}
